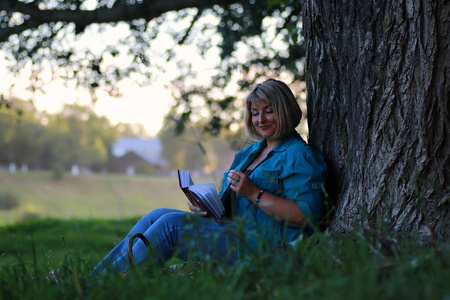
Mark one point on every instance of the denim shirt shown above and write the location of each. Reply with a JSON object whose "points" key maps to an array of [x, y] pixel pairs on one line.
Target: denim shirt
{"points": [[292, 170]]}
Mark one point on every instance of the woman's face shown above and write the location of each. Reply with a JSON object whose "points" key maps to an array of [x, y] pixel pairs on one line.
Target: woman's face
{"points": [[263, 119]]}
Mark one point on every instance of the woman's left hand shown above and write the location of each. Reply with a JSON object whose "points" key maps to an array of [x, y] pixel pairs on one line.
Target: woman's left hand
{"points": [[241, 184]]}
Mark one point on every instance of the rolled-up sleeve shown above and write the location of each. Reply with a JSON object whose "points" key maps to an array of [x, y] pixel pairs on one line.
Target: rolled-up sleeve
{"points": [[305, 182]]}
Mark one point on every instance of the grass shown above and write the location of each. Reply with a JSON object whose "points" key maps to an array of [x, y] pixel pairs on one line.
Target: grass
{"points": [[95, 196], [355, 265], [51, 240]]}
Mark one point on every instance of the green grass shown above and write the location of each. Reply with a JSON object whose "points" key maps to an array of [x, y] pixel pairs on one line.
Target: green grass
{"points": [[355, 265], [89, 196], [82, 218], [50, 240]]}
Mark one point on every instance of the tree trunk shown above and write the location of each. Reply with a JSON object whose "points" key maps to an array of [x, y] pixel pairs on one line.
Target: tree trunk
{"points": [[378, 82]]}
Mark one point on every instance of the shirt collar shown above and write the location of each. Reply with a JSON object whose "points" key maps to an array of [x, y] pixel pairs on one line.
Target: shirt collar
{"points": [[285, 142]]}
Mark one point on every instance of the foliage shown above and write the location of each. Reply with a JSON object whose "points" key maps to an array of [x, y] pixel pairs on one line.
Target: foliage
{"points": [[58, 171], [8, 200], [21, 134], [244, 40], [353, 265], [76, 135], [195, 149]]}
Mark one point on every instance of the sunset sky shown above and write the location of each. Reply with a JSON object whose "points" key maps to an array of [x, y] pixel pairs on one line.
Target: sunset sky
{"points": [[145, 105]]}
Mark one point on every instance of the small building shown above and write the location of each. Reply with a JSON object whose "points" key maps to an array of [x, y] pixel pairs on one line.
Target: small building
{"points": [[137, 155]]}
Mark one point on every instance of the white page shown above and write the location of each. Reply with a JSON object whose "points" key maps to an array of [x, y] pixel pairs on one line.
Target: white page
{"points": [[214, 196], [209, 197], [185, 179], [202, 191]]}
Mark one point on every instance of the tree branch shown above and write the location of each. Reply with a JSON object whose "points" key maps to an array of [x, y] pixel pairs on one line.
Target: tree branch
{"points": [[147, 10], [197, 16]]}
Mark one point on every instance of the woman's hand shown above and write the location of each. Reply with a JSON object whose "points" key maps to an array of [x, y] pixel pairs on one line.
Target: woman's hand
{"points": [[241, 184], [271, 204], [197, 210]]}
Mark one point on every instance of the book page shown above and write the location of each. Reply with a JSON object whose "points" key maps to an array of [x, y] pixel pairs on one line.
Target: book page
{"points": [[185, 179], [208, 196], [203, 195]]}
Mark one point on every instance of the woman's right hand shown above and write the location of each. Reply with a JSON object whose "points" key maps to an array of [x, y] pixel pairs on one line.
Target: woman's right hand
{"points": [[197, 210]]}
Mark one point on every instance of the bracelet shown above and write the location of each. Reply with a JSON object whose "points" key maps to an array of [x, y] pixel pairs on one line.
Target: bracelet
{"points": [[261, 191]]}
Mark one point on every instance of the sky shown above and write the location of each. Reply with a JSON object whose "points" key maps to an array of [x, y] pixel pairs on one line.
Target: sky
{"points": [[146, 105]]}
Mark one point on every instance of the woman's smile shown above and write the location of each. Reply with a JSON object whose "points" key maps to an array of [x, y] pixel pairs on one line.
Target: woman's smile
{"points": [[263, 118]]}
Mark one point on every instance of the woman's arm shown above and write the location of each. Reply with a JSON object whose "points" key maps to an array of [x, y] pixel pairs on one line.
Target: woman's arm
{"points": [[282, 210]]}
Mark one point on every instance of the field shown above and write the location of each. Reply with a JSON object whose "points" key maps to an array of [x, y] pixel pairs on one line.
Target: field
{"points": [[80, 213], [89, 196], [80, 219]]}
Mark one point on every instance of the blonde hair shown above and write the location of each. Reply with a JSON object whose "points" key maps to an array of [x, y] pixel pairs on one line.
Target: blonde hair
{"points": [[285, 107]]}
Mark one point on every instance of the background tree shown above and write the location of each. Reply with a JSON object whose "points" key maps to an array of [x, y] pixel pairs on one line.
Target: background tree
{"points": [[195, 150], [21, 133], [378, 107], [44, 141], [376, 77], [254, 37], [27, 142], [7, 125], [76, 136]]}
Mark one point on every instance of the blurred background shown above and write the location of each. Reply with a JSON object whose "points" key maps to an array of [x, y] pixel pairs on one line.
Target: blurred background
{"points": [[102, 102]]}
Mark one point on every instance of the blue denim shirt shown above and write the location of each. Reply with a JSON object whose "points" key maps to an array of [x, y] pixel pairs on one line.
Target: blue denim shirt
{"points": [[292, 170]]}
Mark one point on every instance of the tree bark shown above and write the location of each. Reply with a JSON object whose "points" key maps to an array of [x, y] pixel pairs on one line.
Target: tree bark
{"points": [[378, 82]]}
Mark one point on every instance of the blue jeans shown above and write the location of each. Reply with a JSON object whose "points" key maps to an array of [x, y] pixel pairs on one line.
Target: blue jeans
{"points": [[173, 232]]}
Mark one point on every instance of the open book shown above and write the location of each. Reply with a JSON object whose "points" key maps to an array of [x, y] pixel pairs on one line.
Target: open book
{"points": [[202, 195]]}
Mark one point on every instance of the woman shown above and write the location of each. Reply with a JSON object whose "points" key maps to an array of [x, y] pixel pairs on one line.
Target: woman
{"points": [[272, 193]]}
